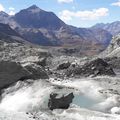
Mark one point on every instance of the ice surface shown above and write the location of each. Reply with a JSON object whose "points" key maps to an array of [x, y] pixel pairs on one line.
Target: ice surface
{"points": [[27, 98], [84, 101], [32, 97]]}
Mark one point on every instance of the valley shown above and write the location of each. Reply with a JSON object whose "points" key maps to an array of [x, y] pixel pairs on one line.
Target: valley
{"points": [[50, 70]]}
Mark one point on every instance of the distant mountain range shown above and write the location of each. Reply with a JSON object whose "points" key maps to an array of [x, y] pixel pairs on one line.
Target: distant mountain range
{"points": [[113, 28], [45, 28]]}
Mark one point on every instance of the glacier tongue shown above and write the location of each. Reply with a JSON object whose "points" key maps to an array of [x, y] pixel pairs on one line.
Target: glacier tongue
{"points": [[26, 97], [70, 114], [28, 100]]}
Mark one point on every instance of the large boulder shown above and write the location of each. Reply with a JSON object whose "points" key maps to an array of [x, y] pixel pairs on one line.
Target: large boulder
{"points": [[42, 62], [94, 68], [60, 102], [63, 66], [37, 72], [11, 72], [113, 61]]}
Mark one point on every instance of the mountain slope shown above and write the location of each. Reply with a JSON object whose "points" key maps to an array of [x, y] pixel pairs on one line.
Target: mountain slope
{"points": [[5, 29], [45, 28], [102, 36], [3, 17], [34, 17], [112, 54], [113, 28], [9, 35], [113, 50]]}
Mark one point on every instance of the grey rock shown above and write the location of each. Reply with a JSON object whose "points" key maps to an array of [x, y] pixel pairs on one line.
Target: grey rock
{"points": [[112, 54], [62, 102], [113, 50], [114, 62], [37, 72], [42, 62], [94, 68], [11, 72], [64, 66]]}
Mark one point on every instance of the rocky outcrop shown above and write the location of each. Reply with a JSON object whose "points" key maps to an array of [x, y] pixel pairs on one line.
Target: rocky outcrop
{"points": [[37, 72], [112, 54], [114, 62], [11, 72], [63, 66], [7, 34], [113, 50], [62, 102], [42, 62], [94, 68]]}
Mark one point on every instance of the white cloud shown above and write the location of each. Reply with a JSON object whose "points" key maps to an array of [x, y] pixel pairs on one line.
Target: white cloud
{"points": [[2, 8], [116, 3], [94, 14], [11, 8], [11, 12], [65, 1]]}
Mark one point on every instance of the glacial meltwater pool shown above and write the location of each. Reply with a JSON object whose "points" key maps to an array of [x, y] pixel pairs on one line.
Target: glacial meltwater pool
{"points": [[84, 101]]}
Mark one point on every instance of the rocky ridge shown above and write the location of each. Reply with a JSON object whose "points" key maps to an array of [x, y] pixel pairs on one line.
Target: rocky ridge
{"points": [[45, 28]]}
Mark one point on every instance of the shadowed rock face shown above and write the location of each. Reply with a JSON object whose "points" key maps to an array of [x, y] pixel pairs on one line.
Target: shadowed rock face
{"points": [[4, 28], [60, 103], [7, 34], [37, 72], [63, 66], [94, 68], [11, 72]]}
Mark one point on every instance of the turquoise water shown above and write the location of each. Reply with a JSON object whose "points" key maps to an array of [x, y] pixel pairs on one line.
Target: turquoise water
{"points": [[84, 101]]}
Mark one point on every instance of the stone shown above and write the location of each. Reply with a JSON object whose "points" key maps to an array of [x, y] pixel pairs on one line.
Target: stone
{"points": [[42, 62], [63, 66], [11, 72], [94, 68], [113, 61], [37, 72], [62, 102]]}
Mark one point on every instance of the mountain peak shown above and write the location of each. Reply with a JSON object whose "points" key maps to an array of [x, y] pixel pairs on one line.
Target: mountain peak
{"points": [[37, 18], [3, 13], [33, 7]]}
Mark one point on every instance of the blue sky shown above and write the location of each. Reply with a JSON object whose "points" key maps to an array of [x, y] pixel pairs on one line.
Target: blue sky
{"points": [[80, 13]]}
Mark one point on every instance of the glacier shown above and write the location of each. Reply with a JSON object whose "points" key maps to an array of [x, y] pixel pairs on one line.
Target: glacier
{"points": [[28, 100]]}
